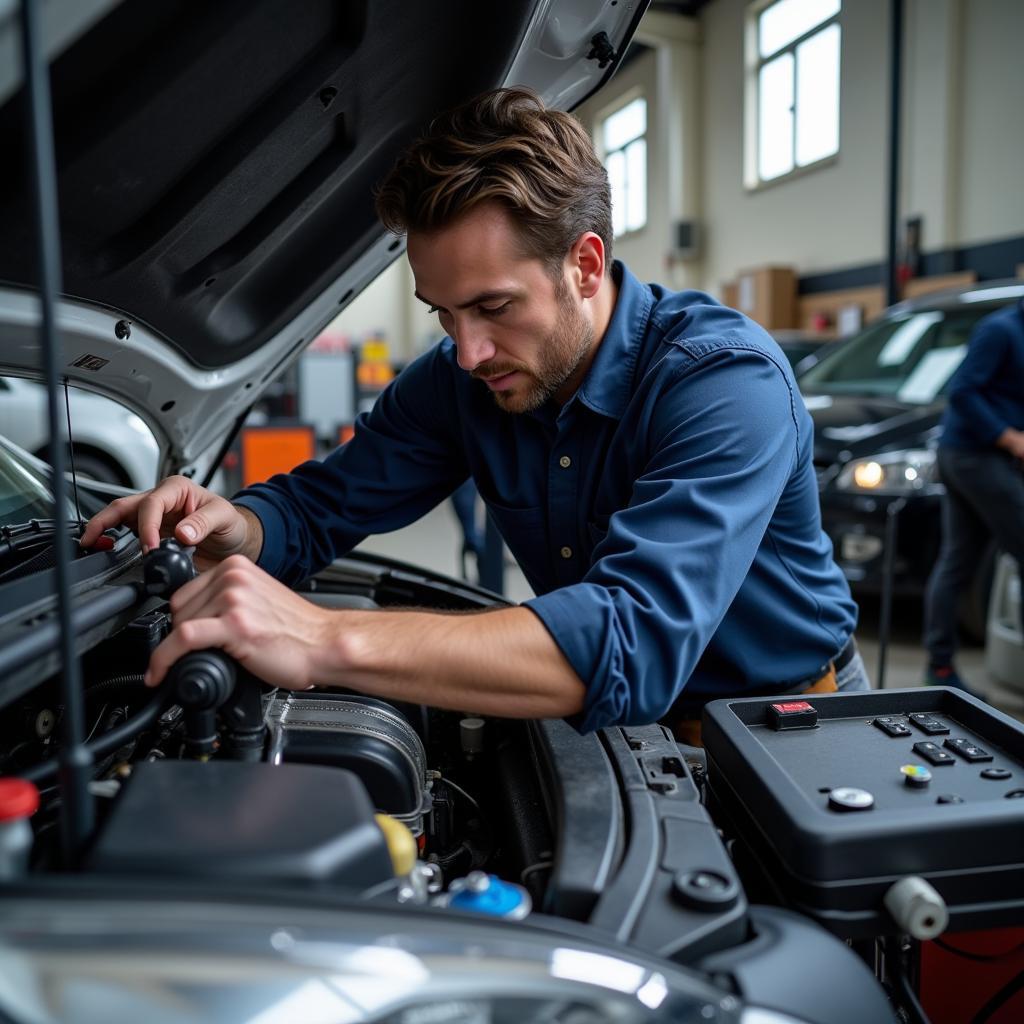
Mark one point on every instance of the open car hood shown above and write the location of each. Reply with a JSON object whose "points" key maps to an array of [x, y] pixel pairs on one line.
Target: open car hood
{"points": [[215, 170]]}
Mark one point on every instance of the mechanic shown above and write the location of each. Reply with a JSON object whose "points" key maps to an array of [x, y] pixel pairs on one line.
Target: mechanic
{"points": [[645, 454], [981, 464]]}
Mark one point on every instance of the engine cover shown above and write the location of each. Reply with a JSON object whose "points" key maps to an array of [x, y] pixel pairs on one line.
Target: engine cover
{"points": [[231, 819]]}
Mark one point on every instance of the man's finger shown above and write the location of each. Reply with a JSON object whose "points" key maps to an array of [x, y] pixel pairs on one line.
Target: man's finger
{"points": [[153, 509], [188, 601], [194, 635], [119, 512]]}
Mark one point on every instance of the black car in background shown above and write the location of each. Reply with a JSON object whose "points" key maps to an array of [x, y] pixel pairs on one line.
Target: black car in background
{"points": [[877, 402]]}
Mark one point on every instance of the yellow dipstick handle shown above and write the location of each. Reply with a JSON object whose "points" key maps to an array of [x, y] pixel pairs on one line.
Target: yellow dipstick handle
{"points": [[401, 843]]}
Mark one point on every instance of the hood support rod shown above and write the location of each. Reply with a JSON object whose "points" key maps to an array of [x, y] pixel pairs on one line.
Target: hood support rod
{"points": [[77, 811]]}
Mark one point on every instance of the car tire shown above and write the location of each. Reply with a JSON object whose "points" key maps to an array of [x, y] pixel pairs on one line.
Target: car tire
{"points": [[90, 466]]}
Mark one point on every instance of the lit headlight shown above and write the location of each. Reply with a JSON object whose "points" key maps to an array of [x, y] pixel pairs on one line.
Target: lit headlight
{"points": [[891, 473]]}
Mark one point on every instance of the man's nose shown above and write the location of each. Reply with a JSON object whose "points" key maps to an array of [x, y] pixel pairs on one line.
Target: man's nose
{"points": [[472, 344]]}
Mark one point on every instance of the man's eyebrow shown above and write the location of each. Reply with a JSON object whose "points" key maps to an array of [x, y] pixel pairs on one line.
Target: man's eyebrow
{"points": [[476, 300]]}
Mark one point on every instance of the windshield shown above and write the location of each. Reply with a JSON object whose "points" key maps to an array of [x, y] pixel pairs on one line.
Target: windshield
{"points": [[24, 492], [909, 358]]}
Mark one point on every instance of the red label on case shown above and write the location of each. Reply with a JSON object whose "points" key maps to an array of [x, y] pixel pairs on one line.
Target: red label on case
{"points": [[792, 707]]}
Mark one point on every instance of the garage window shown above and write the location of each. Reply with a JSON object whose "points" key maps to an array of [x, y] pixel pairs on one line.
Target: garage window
{"points": [[792, 109], [623, 145]]}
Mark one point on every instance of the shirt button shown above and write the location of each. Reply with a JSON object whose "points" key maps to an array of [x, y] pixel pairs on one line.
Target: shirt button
{"points": [[567, 552], [565, 462]]}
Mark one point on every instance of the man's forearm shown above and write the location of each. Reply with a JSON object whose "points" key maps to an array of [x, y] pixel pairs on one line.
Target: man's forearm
{"points": [[501, 662]]}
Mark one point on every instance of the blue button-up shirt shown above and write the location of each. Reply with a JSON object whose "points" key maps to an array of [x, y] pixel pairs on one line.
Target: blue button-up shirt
{"points": [[666, 515], [986, 394]]}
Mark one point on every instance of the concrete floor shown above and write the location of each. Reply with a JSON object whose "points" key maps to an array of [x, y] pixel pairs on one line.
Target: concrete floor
{"points": [[434, 543]]}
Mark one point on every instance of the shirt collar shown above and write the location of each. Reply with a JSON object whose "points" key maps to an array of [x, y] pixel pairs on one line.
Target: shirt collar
{"points": [[609, 382]]}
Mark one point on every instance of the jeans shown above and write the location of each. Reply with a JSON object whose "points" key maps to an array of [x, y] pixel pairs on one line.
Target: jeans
{"points": [[853, 676], [984, 499]]}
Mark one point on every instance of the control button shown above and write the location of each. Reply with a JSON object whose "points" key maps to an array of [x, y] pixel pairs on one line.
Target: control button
{"points": [[892, 726], [792, 714], [968, 750], [566, 552], [848, 798], [1015, 794], [933, 754], [916, 776], [929, 724], [565, 462], [949, 798], [996, 773]]}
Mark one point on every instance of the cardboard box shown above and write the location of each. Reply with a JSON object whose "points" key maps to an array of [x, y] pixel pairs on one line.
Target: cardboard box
{"points": [[768, 295]]}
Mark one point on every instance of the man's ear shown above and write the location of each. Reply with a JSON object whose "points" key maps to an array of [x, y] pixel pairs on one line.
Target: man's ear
{"points": [[586, 264]]}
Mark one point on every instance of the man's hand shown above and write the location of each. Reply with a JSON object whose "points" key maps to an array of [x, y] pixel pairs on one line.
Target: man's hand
{"points": [[193, 515], [273, 632], [1012, 441]]}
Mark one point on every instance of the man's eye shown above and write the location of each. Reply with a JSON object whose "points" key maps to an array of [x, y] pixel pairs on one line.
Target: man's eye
{"points": [[495, 310]]}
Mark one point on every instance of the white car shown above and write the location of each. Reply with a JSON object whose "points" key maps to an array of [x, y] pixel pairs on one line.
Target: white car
{"points": [[111, 444]]}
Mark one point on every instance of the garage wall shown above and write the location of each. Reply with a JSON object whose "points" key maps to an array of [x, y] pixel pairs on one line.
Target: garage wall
{"points": [[990, 187], [825, 219], [963, 148]]}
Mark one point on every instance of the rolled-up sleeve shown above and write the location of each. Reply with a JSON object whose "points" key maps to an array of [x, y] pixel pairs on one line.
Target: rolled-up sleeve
{"points": [[723, 443], [402, 461]]}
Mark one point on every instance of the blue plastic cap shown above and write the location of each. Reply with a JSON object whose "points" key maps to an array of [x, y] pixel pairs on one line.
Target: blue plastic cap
{"points": [[499, 899]]}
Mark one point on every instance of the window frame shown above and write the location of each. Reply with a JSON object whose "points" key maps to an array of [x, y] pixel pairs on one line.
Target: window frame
{"points": [[620, 103], [753, 63]]}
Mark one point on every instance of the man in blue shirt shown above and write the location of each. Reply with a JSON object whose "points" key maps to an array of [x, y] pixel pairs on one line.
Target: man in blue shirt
{"points": [[645, 454], [980, 462]]}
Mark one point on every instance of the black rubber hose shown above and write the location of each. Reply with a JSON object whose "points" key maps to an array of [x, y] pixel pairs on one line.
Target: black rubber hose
{"points": [[130, 681]]}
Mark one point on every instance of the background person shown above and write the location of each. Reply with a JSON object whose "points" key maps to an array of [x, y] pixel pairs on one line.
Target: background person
{"points": [[980, 463]]}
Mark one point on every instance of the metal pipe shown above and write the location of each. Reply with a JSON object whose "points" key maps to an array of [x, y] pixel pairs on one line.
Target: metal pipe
{"points": [[895, 104], [78, 814], [888, 576], [42, 639]]}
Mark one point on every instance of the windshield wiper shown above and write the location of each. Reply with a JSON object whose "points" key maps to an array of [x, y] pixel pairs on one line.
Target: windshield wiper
{"points": [[21, 543], [19, 534]]}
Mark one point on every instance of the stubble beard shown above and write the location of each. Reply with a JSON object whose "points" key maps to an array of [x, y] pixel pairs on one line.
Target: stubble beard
{"points": [[562, 353]]}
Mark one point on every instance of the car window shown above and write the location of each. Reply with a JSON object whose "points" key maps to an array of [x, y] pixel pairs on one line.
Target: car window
{"points": [[24, 493], [910, 358]]}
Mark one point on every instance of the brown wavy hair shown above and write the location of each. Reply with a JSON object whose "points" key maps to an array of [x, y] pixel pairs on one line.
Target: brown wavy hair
{"points": [[503, 147]]}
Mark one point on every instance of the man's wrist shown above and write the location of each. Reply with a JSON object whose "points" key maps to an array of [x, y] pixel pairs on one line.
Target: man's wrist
{"points": [[252, 545]]}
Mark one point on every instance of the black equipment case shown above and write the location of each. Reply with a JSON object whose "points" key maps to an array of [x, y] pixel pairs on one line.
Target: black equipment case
{"points": [[840, 796]]}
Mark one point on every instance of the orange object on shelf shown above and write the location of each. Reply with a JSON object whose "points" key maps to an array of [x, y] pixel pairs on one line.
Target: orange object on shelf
{"points": [[275, 449]]}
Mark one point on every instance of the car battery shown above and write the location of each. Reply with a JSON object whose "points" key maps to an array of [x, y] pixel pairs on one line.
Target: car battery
{"points": [[839, 797]]}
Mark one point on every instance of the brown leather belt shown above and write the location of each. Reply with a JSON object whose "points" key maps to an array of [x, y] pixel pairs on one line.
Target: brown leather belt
{"points": [[687, 729]]}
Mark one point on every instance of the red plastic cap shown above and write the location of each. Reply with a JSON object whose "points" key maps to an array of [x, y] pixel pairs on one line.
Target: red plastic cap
{"points": [[19, 798]]}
